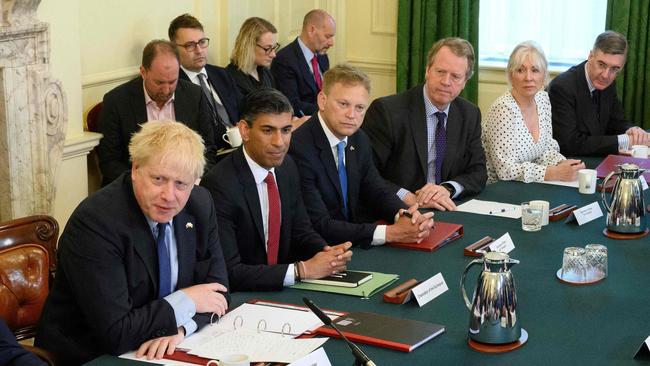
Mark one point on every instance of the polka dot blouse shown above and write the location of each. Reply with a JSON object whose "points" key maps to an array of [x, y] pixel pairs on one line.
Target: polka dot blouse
{"points": [[511, 151]]}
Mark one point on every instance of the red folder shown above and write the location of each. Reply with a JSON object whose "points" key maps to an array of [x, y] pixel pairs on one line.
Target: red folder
{"points": [[612, 161], [383, 331], [442, 233]]}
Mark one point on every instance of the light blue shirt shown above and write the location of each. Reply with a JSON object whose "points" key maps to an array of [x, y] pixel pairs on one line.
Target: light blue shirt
{"points": [[432, 125], [184, 307], [309, 55], [379, 235]]}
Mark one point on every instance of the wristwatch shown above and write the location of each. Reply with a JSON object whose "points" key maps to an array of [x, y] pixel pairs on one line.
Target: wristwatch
{"points": [[450, 188]]}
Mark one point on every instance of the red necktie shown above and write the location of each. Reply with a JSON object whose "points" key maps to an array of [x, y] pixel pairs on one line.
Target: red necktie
{"points": [[314, 65], [274, 220]]}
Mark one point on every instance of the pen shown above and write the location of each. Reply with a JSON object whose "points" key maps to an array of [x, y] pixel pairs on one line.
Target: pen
{"points": [[501, 211]]}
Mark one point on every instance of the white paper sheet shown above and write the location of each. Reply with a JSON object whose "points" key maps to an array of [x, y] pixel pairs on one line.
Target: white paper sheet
{"points": [[573, 184], [131, 356], [259, 346], [316, 358], [491, 208]]}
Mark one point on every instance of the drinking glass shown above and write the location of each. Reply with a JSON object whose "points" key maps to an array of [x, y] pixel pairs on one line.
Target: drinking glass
{"points": [[596, 259], [574, 265], [531, 216]]}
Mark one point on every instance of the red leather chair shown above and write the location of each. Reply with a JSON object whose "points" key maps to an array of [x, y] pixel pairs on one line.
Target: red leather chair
{"points": [[27, 267]]}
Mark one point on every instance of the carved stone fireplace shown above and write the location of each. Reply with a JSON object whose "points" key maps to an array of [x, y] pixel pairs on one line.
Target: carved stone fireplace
{"points": [[33, 113]]}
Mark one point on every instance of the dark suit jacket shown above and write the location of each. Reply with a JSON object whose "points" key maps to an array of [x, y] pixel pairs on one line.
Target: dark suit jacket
{"points": [[226, 89], [396, 126], [321, 188], [12, 353], [293, 78], [246, 83], [241, 230], [577, 127], [124, 110], [105, 297]]}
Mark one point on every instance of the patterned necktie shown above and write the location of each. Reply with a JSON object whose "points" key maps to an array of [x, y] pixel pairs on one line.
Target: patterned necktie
{"points": [[164, 264], [595, 98], [218, 111], [441, 144], [343, 176], [273, 245], [314, 65]]}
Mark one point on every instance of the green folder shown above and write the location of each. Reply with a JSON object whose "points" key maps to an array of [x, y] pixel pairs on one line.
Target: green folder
{"points": [[378, 282]]}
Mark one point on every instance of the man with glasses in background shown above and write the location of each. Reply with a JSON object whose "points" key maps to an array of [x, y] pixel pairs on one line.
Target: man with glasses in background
{"points": [[588, 117], [221, 92]]}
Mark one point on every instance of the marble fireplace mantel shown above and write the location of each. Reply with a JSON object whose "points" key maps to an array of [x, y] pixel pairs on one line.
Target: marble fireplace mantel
{"points": [[33, 113]]}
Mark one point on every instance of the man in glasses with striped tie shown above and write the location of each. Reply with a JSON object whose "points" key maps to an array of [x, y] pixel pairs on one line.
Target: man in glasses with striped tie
{"points": [[221, 92]]}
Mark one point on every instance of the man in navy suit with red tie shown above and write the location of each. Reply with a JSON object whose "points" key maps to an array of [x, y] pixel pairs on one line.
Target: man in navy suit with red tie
{"points": [[298, 67], [267, 239]]}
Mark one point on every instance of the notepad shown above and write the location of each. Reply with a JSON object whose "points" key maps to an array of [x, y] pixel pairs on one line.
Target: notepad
{"points": [[374, 285], [343, 279]]}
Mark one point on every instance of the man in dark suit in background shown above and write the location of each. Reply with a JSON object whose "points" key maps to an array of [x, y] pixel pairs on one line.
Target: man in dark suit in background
{"points": [[588, 118], [140, 264], [427, 140], [267, 238], [298, 67], [221, 92], [338, 176], [155, 95]]}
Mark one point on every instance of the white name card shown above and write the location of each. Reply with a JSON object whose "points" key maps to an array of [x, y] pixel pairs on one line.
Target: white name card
{"points": [[644, 184], [430, 289], [587, 213], [504, 244], [316, 358]]}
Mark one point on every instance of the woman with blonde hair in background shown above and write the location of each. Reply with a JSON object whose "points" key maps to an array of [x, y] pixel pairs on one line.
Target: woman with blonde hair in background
{"points": [[254, 49]]}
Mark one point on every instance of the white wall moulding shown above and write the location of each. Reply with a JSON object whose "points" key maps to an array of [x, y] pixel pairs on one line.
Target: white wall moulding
{"points": [[117, 76], [383, 17], [33, 114]]}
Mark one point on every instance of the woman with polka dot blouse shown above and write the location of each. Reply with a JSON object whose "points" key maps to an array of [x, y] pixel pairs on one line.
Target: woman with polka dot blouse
{"points": [[517, 132]]}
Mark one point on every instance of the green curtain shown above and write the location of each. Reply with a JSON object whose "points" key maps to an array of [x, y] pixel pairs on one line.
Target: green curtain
{"points": [[422, 22], [630, 18]]}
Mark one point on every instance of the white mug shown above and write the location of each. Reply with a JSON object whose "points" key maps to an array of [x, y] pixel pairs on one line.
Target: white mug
{"points": [[230, 360], [587, 181], [640, 151], [232, 136], [544, 205]]}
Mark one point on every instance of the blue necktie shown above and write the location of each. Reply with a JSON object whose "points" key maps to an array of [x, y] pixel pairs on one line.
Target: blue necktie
{"points": [[343, 176], [164, 264], [441, 144]]}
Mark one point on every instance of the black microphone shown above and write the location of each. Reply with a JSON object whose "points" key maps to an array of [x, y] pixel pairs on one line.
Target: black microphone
{"points": [[360, 357]]}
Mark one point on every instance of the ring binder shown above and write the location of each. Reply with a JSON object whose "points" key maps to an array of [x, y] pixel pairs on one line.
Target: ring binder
{"points": [[238, 323]]}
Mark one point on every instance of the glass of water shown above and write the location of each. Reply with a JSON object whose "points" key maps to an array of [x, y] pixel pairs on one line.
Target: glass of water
{"points": [[531, 216]]}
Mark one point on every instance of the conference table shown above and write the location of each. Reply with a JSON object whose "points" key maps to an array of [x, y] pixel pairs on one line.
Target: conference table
{"points": [[599, 324]]}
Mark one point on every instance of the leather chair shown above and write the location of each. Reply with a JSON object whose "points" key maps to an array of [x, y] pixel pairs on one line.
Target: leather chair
{"points": [[27, 267]]}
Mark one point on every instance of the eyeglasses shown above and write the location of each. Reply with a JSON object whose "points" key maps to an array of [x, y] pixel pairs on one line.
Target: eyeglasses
{"points": [[191, 46], [269, 49], [604, 67]]}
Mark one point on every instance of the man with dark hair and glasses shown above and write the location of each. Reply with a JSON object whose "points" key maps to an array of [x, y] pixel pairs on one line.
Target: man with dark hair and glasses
{"points": [[588, 117], [220, 90], [156, 94]]}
